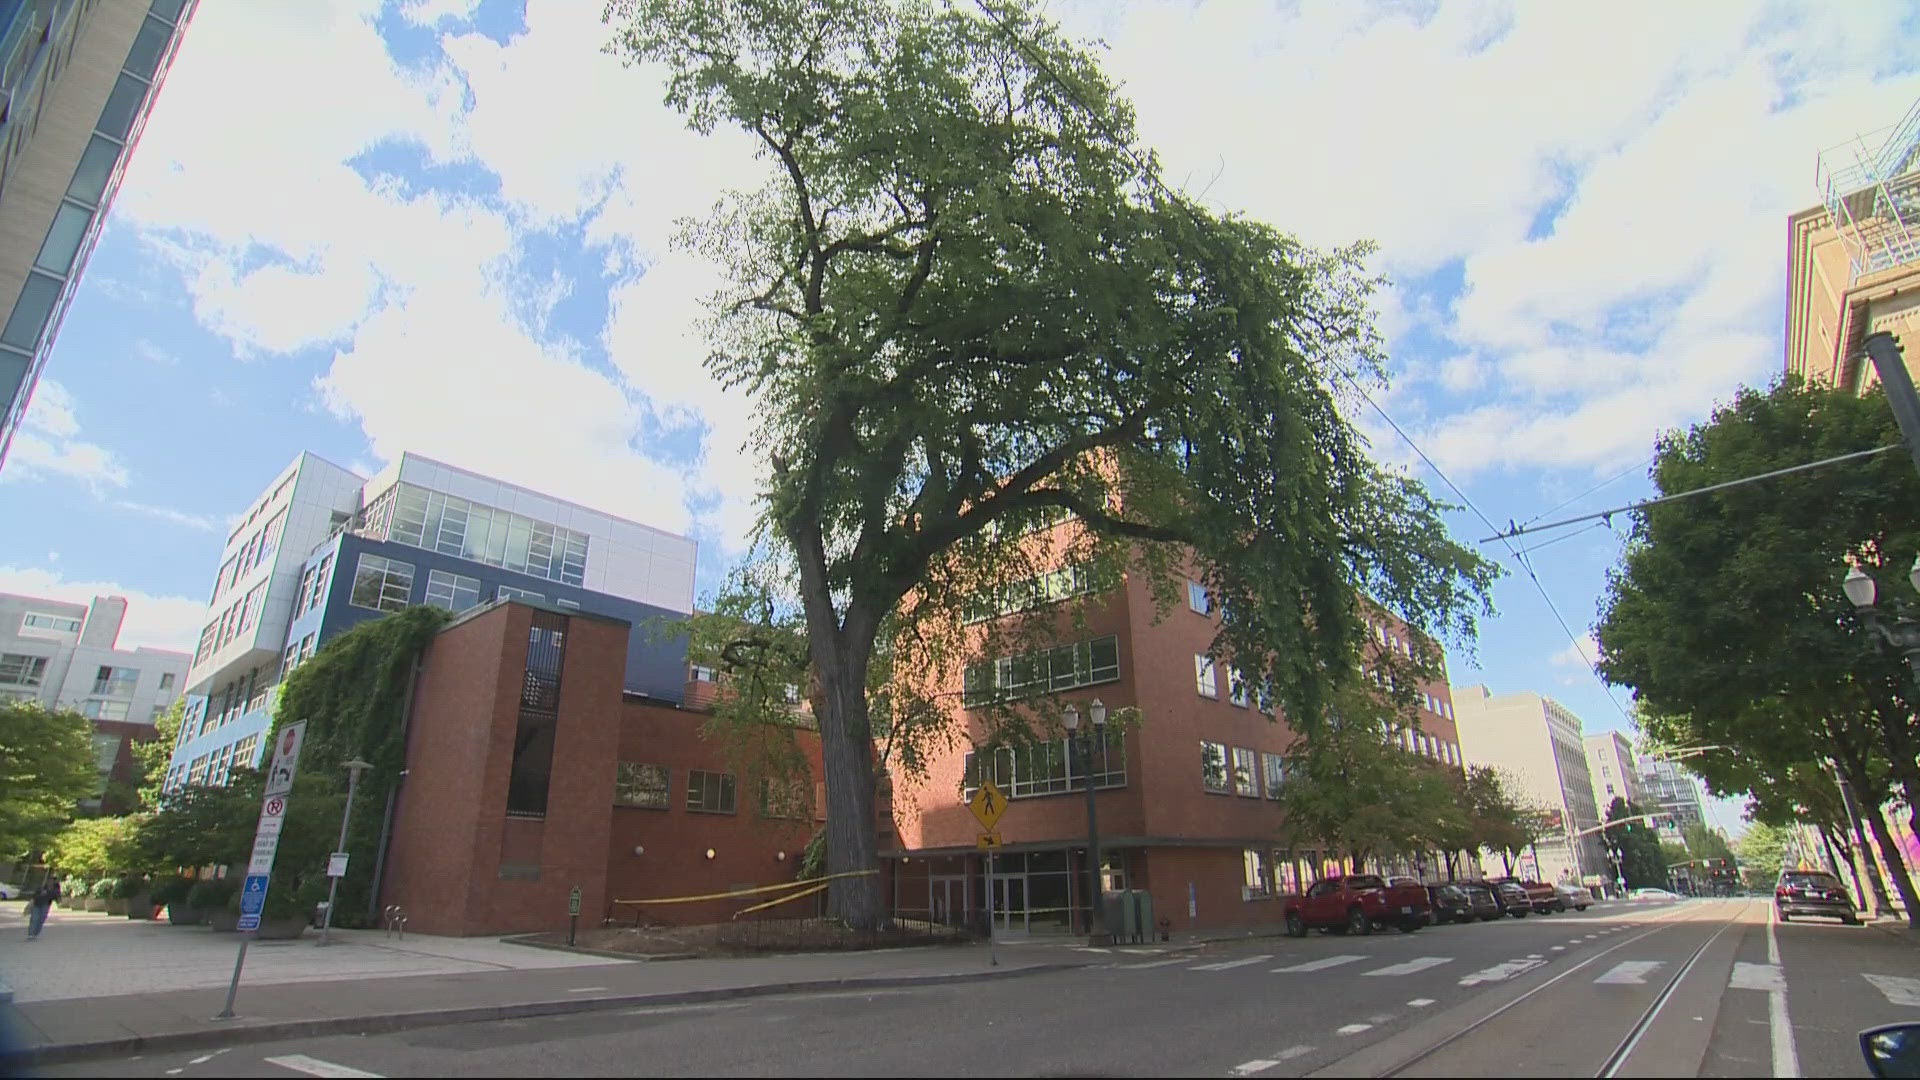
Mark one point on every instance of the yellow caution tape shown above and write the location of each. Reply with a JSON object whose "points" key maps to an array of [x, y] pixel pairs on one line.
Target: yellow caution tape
{"points": [[780, 900], [731, 893]]}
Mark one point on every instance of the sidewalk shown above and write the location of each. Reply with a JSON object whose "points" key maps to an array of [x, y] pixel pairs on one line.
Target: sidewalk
{"points": [[72, 998]]}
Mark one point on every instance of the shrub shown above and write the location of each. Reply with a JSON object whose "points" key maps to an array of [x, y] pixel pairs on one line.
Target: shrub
{"points": [[172, 890], [103, 888], [128, 887], [212, 893]]}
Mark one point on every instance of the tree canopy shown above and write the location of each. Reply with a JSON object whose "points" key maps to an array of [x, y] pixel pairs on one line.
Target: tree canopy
{"points": [[1635, 847], [964, 303], [46, 768]]}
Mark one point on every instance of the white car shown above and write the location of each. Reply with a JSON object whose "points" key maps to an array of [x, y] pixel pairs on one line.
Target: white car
{"points": [[9, 892], [1652, 894]]}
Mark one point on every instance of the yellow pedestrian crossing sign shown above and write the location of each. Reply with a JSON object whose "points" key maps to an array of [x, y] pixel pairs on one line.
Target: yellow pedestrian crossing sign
{"points": [[987, 805], [989, 840]]}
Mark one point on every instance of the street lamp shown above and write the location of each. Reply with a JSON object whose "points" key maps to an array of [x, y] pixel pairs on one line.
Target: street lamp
{"points": [[354, 769], [1901, 631], [1097, 712]]}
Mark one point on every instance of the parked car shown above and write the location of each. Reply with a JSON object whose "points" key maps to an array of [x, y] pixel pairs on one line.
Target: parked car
{"points": [[1574, 896], [1653, 894], [1357, 904], [1542, 897], [1513, 898], [9, 892], [1450, 904], [1486, 905], [1813, 892]]}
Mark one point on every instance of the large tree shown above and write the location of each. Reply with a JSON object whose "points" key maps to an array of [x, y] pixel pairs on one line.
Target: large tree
{"points": [[46, 767], [1726, 615], [964, 303], [1635, 846]]}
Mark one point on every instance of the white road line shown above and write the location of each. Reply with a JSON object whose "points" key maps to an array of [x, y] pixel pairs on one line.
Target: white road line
{"points": [[1418, 964], [586, 989], [1353, 1029], [1420, 1003], [1321, 964], [1292, 1052], [1786, 1060], [1756, 977], [1898, 991], [1630, 972], [1575, 940], [1248, 1068], [1500, 972], [301, 1063], [1243, 962], [1154, 964], [204, 1058]]}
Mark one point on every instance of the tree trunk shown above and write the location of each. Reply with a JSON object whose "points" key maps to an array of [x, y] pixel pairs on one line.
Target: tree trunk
{"points": [[846, 753], [1834, 862], [1896, 865]]}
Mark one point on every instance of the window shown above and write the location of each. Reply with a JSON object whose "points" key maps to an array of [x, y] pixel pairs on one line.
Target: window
{"points": [[381, 584], [166, 680], [700, 673], [152, 40], [508, 592], [197, 775], [455, 592], [51, 622], [18, 669], [1197, 598], [1237, 687], [1049, 768], [1049, 670], [95, 169], [116, 682], [1275, 766], [789, 798], [454, 526], [710, 792], [1203, 677], [30, 311], [243, 751], [1286, 875], [250, 607], [641, 785], [1213, 766], [63, 238], [94, 709], [1245, 782], [1257, 882], [1027, 593], [313, 585]]}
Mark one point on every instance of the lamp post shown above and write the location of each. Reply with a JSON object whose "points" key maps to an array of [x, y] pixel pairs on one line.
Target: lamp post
{"points": [[1902, 633], [1097, 712], [354, 769]]}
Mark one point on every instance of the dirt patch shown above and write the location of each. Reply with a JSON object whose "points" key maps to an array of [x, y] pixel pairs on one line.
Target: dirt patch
{"points": [[748, 938]]}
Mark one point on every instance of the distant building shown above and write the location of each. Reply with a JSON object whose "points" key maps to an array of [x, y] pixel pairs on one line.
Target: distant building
{"points": [[1537, 744], [1614, 771], [1674, 793], [77, 79], [324, 549], [67, 655]]}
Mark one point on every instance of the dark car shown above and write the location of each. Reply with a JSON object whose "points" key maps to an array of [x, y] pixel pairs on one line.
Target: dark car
{"points": [[1450, 904], [1813, 892], [1486, 906]]}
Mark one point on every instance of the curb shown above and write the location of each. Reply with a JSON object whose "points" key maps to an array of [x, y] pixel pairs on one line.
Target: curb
{"points": [[581, 950], [1896, 929], [60, 1053]]}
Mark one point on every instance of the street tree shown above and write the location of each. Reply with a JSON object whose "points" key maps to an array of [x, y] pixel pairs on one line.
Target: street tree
{"points": [[46, 768], [1764, 850], [1725, 614], [1637, 846], [963, 303]]}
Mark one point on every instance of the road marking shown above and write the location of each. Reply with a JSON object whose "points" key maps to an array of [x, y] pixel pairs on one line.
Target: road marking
{"points": [[1575, 940], [315, 1067], [1321, 964], [1154, 964], [1898, 991], [1500, 972], [586, 989], [1559, 948], [204, 1058], [1420, 1003], [1354, 1029], [1248, 1068], [1590, 937], [1630, 972], [1756, 977], [1243, 962], [1411, 966], [1786, 1059]]}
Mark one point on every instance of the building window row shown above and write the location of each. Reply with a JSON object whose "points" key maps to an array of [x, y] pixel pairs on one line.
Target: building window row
{"points": [[96, 709], [710, 792], [451, 525], [381, 583], [454, 592], [1028, 593], [59, 623], [1048, 768], [239, 617], [508, 592], [19, 669], [297, 653], [1206, 682], [1239, 770], [313, 585], [112, 681], [1065, 667], [1197, 599], [1438, 705]]}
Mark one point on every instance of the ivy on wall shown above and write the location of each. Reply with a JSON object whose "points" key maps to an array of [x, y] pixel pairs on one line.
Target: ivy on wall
{"points": [[353, 696]]}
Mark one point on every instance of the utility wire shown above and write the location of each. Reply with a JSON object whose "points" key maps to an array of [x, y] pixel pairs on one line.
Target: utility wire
{"points": [[1617, 476], [1153, 177]]}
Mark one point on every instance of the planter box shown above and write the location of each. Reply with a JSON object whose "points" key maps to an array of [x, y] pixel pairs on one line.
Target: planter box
{"points": [[182, 915], [282, 929], [94, 903], [140, 907], [223, 921], [116, 907]]}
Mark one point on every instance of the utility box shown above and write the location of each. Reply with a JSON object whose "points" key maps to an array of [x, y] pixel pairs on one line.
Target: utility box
{"points": [[1143, 913], [1120, 916]]}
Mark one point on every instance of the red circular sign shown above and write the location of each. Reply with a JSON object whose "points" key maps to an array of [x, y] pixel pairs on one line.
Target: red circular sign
{"points": [[276, 806]]}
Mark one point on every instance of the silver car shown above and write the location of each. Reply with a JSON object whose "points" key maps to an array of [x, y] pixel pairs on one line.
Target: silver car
{"points": [[1573, 896]]}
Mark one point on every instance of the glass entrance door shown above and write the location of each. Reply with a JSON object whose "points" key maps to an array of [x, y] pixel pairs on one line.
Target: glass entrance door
{"points": [[1010, 904]]}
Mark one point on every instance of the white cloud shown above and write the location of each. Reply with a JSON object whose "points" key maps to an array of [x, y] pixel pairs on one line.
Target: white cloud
{"points": [[160, 622], [1574, 664], [48, 443]]}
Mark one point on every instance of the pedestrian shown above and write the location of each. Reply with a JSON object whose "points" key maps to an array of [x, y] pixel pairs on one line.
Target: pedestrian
{"points": [[39, 905]]}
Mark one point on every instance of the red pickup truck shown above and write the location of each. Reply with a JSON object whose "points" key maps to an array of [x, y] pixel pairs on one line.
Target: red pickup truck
{"points": [[1356, 904]]}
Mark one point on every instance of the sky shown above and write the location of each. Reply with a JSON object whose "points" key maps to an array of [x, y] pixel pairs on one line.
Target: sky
{"points": [[446, 226]]}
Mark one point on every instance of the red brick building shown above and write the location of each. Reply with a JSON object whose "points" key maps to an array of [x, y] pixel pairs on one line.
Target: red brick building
{"points": [[530, 772], [1185, 797]]}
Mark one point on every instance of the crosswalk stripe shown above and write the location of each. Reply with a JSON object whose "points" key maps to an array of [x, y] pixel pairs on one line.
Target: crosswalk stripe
{"points": [[1243, 962], [1418, 964], [1629, 972], [1756, 977], [1898, 991], [1321, 964], [1154, 964], [1500, 972]]}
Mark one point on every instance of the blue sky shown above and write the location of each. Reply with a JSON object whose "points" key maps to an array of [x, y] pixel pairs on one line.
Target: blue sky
{"points": [[446, 227]]}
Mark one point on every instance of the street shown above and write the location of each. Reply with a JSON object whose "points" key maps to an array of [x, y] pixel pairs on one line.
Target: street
{"points": [[1688, 988]]}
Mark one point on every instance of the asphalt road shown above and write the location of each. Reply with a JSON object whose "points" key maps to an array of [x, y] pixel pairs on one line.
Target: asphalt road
{"points": [[1688, 988]]}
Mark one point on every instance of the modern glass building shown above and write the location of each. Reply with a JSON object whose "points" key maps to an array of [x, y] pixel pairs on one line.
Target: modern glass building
{"points": [[77, 78], [325, 549]]}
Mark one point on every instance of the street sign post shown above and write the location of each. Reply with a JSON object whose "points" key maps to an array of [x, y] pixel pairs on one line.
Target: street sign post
{"points": [[266, 841], [573, 914], [988, 841], [337, 865], [987, 805]]}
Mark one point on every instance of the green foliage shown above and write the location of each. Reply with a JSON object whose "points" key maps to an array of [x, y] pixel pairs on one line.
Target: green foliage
{"points": [[172, 890], [1673, 854], [1764, 850], [93, 847], [102, 888], [151, 756], [211, 894], [129, 886], [46, 768], [1636, 847], [964, 304], [1704, 842], [204, 825]]}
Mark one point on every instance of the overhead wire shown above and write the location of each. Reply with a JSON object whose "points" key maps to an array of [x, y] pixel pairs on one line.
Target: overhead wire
{"points": [[1153, 177]]}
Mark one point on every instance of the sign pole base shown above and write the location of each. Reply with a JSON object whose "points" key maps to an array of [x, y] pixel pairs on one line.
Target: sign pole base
{"points": [[233, 987]]}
